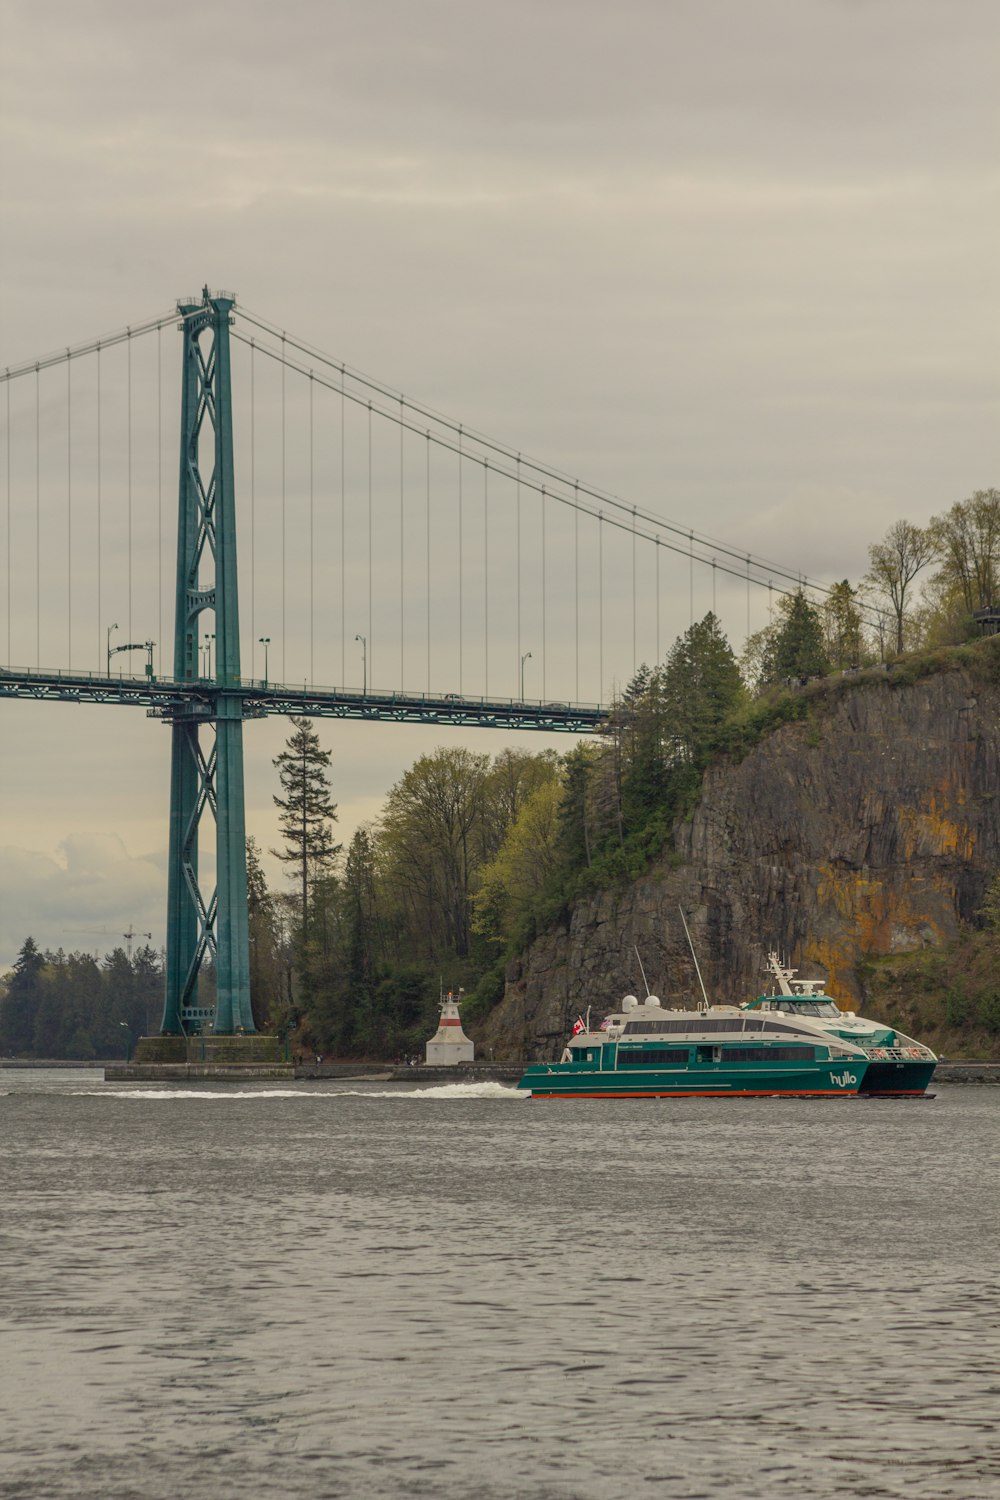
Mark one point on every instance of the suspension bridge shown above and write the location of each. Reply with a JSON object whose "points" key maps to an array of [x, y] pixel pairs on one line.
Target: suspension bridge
{"points": [[359, 507]]}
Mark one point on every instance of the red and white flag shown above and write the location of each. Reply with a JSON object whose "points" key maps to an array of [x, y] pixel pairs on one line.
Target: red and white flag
{"points": [[578, 1026], [605, 1023]]}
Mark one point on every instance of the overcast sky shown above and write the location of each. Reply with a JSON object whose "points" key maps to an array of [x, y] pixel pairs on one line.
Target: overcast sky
{"points": [[734, 260]]}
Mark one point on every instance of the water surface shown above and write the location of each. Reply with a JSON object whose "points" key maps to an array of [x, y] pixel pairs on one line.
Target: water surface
{"points": [[324, 1290]]}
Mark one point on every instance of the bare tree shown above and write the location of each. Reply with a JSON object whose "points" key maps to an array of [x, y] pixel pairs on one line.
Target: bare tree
{"points": [[893, 565], [968, 539]]}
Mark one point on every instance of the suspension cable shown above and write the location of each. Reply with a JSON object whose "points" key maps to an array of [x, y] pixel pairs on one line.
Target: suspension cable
{"points": [[93, 346], [641, 531], [486, 577], [542, 469]]}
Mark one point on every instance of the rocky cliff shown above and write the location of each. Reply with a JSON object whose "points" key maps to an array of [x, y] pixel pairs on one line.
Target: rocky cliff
{"points": [[870, 828]]}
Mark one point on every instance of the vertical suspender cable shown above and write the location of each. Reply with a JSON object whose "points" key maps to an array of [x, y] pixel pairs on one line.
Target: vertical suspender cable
{"points": [[427, 491], [312, 545], [714, 575], [576, 582], [402, 572], [657, 598], [369, 643], [635, 648], [99, 503], [10, 649], [486, 577], [284, 631], [253, 516], [38, 530], [748, 596], [343, 537], [461, 602], [69, 512], [128, 347], [159, 496], [600, 604], [517, 577], [544, 652], [691, 575]]}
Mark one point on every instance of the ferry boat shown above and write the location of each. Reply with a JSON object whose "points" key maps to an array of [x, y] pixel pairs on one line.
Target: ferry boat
{"points": [[797, 1044], [645, 1051], [897, 1064]]}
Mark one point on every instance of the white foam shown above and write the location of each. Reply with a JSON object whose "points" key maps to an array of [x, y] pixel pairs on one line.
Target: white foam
{"points": [[436, 1092]]}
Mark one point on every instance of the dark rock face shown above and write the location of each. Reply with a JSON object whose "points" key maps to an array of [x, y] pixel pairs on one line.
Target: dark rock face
{"points": [[871, 829]]}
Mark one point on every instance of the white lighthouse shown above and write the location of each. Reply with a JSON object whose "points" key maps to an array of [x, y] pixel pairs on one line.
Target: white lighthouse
{"points": [[449, 1045]]}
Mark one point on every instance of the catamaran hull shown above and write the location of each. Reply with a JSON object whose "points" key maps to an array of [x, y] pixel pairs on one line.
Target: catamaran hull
{"points": [[569, 1081], [897, 1079]]}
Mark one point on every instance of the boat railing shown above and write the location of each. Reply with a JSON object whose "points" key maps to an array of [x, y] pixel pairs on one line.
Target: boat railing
{"points": [[899, 1054]]}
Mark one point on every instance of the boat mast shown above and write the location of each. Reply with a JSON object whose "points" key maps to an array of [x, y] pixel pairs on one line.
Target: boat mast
{"points": [[693, 955]]}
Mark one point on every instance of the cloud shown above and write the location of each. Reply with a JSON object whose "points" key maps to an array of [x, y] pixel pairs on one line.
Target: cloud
{"points": [[87, 898]]}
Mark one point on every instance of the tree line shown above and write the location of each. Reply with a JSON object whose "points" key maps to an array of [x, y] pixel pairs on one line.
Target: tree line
{"points": [[71, 1005]]}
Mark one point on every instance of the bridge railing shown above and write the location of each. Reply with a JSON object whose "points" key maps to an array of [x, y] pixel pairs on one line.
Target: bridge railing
{"points": [[269, 686]]}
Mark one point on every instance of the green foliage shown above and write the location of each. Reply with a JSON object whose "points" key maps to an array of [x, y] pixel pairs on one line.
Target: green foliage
{"points": [[967, 540], [796, 650], [306, 812], [67, 1005]]}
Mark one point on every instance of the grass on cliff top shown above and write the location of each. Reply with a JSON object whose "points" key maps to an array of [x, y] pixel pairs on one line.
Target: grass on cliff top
{"points": [[947, 997], [745, 729]]}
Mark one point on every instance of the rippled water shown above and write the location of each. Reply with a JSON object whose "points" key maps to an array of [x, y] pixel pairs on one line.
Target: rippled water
{"points": [[325, 1291]]}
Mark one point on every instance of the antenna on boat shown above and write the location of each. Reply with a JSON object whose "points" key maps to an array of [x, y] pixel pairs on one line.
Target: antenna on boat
{"points": [[642, 971], [694, 955]]}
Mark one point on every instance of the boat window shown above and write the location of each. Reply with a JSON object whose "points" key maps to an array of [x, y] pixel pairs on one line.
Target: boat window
{"points": [[767, 1054], [653, 1057]]}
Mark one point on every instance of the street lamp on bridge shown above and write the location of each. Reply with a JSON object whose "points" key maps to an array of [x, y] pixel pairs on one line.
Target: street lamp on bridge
{"points": [[524, 658], [110, 628], [364, 664], [265, 641]]}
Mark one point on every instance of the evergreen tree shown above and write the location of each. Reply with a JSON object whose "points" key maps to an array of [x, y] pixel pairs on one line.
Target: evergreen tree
{"points": [[306, 810], [843, 632], [266, 989], [701, 685], [21, 1002], [797, 650]]}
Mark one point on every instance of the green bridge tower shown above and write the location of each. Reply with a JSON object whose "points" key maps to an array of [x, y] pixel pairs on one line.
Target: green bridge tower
{"points": [[210, 780]]}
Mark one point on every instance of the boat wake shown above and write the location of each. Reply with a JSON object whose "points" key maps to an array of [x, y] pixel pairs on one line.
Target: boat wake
{"points": [[436, 1092]]}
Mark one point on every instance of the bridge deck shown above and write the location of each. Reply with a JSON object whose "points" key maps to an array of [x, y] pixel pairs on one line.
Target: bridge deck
{"points": [[165, 697]]}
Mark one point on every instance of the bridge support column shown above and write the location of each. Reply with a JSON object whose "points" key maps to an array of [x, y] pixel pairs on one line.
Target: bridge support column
{"points": [[206, 532]]}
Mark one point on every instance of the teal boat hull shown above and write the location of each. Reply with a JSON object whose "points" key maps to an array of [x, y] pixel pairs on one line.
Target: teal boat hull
{"points": [[576, 1081]]}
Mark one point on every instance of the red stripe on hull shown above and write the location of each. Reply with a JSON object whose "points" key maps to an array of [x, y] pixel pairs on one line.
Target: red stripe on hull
{"points": [[703, 1094]]}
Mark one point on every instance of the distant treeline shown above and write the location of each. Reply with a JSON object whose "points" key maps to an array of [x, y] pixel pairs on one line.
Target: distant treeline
{"points": [[69, 1005]]}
